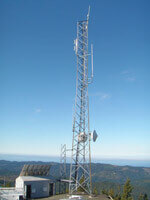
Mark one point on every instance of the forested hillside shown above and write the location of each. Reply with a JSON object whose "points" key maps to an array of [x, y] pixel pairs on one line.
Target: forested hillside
{"points": [[104, 176]]}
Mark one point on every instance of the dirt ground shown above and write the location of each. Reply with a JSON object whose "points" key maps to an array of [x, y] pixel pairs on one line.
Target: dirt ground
{"points": [[61, 197]]}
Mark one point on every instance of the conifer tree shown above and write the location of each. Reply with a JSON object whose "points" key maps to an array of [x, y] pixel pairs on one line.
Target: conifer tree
{"points": [[104, 191], [145, 197], [117, 197], [127, 191], [141, 197], [95, 191], [111, 193], [82, 180]]}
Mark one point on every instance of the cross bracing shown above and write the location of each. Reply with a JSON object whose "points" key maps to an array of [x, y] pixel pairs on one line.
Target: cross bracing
{"points": [[80, 170]]}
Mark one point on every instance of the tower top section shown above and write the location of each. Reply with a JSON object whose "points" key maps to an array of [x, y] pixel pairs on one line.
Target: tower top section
{"points": [[88, 15]]}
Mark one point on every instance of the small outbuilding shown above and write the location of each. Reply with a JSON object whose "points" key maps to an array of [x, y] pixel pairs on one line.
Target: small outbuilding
{"points": [[35, 187]]}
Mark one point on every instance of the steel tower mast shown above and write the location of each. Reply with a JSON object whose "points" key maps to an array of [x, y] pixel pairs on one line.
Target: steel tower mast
{"points": [[80, 169]]}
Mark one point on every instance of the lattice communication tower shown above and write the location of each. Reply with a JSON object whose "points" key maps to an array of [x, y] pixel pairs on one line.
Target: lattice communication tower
{"points": [[63, 162], [80, 170]]}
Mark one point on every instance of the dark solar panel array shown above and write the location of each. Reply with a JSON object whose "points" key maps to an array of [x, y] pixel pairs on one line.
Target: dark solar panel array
{"points": [[35, 170]]}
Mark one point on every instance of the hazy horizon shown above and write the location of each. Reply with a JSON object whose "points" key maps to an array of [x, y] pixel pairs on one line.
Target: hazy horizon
{"points": [[105, 160]]}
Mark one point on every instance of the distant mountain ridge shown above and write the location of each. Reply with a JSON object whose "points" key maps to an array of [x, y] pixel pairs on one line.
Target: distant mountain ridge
{"points": [[104, 176], [99, 171]]}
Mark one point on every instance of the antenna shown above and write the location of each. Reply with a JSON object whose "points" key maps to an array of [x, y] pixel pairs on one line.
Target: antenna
{"points": [[91, 78], [88, 15], [92, 59]]}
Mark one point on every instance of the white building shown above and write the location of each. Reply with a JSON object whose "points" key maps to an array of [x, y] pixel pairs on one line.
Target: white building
{"points": [[11, 194], [35, 187]]}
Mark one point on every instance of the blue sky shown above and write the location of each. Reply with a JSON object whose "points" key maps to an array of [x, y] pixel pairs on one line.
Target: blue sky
{"points": [[38, 72]]}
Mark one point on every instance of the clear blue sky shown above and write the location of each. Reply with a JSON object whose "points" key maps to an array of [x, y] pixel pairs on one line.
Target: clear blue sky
{"points": [[38, 72]]}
